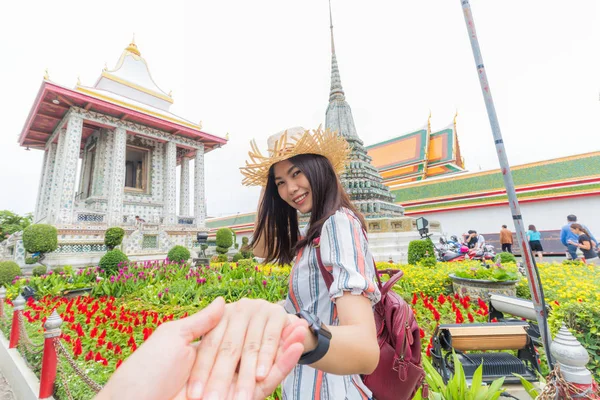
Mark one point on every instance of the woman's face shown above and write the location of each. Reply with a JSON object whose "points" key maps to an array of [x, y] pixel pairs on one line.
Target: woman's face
{"points": [[293, 187], [575, 230]]}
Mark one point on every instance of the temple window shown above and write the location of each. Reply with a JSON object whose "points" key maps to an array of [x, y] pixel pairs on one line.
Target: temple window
{"points": [[136, 169]]}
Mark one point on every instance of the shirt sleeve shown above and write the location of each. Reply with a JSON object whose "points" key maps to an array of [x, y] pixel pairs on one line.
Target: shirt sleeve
{"points": [[344, 252]]}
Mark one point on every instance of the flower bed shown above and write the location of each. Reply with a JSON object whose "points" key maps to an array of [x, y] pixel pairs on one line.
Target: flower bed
{"points": [[102, 330]]}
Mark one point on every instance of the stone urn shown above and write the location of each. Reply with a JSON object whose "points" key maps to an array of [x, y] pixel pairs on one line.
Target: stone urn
{"points": [[478, 288]]}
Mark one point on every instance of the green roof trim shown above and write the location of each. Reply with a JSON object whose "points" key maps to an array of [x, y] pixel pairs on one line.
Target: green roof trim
{"points": [[231, 221], [503, 197], [421, 132], [523, 176]]}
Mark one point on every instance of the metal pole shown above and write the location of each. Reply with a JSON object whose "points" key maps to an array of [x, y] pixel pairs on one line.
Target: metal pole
{"points": [[535, 285]]}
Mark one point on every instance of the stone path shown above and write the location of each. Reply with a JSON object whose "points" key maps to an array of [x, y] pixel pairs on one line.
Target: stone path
{"points": [[5, 390]]}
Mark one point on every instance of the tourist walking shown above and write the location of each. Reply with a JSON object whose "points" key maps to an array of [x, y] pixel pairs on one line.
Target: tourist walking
{"points": [[299, 177], [585, 243], [535, 242], [567, 236], [506, 239]]}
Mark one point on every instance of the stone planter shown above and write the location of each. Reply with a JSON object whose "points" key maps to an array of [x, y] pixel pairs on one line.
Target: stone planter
{"points": [[483, 289], [69, 294]]}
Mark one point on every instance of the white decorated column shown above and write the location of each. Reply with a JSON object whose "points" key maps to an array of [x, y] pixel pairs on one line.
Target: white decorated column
{"points": [[46, 189], [43, 176], [116, 185], [184, 189], [170, 191], [199, 199], [64, 196]]}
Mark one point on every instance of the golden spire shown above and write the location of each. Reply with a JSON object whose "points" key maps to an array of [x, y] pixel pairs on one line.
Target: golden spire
{"points": [[455, 115], [429, 122], [78, 81], [227, 136], [46, 75], [132, 48]]}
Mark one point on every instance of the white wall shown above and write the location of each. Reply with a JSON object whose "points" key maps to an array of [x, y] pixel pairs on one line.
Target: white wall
{"points": [[545, 215]]}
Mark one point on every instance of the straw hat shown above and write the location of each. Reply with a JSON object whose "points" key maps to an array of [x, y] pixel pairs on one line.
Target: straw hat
{"points": [[290, 143]]}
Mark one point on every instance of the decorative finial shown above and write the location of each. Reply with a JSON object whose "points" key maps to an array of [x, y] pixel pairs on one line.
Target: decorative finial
{"points": [[170, 93], [105, 66], [429, 122], [78, 81], [132, 48], [46, 75], [227, 136], [455, 115]]}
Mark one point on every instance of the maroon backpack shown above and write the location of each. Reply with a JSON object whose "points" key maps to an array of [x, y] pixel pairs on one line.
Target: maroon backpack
{"points": [[399, 373]]}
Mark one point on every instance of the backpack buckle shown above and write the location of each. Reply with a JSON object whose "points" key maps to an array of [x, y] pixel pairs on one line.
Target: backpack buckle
{"points": [[316, 242]]}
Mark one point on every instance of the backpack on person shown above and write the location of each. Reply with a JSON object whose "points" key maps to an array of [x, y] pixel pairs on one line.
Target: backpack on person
{"points": [[399, 373]]}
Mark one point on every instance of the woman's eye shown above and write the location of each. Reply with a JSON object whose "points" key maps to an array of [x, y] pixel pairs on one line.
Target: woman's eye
{"points": [[296, 173], [279, 183]]}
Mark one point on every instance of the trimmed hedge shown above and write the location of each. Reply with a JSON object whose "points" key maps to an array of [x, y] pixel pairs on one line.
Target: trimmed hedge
{"points": [[224, 240], [9, 270], [179, 254], [111, 260], [40, 238], [39, 270], [506, 257], [418, 249], [113, 237]]}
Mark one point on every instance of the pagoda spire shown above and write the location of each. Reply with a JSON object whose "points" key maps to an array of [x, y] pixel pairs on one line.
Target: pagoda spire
{"points": [[337, 92]]}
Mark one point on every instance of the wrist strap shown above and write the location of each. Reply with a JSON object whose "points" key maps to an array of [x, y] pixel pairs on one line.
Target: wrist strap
{"points": [[315, 355]]}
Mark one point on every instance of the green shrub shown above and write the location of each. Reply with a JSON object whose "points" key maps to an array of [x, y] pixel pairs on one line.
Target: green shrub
{"points": [[40, 238], [418, 249], [237, 257], [222, 258], [110, 261], [246, 263], [113, 237], [31, 260], [506, 257], [428, 262], [179, 254], [39, 270], [58, 270], [9, 270], [224, 240]]}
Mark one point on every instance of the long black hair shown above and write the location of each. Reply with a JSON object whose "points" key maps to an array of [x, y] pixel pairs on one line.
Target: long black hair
{"points": [[277, 221]]}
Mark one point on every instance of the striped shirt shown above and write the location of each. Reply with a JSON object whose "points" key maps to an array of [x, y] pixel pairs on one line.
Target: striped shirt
{"points": [[345, 253]]}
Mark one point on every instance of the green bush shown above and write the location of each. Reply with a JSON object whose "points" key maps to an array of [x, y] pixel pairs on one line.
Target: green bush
{"points": [[428, 262], [506, 257], [237, 257], [31, 260], [418, 249], [113, 237], [40, 238], [179, 254], [222, 258], [110, 261], [39, 270], [9, 270], [58, 270], [224, 240]]}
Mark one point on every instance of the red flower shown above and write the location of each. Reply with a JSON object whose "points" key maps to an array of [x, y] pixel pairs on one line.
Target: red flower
{"points": [[436, 314], [100, 342], [89, 356], [109, 346], [441, 299], [94, 332], [105, 362], [147, 333], [133, 347], [119, 362], [421, 333], [131, 341], [98, 357], [414, 299], [77, 349], [494, 320], [118, 349], [428, 352], [470, 316], [102, 335]]}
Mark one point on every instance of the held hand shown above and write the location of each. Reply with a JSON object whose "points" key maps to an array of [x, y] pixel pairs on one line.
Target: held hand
{"points": [[255, 336], [162, 364]]}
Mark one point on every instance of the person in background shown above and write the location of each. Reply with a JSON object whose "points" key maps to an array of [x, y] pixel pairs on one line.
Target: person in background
{"points": [[584, 242], [506, 239], [567, 236], [535, 242]]}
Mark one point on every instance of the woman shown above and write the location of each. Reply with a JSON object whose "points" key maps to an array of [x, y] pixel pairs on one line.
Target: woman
{"points": [[534, 238], [299, 176], [585, 243]]}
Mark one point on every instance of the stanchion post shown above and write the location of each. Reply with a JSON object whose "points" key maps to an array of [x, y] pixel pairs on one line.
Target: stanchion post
{"points": [[2, 297], [572, 358], [18, 307], [50, 358]]}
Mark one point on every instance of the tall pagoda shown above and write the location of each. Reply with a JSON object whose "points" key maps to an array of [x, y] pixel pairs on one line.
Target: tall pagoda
{"points": [[362, 181]]}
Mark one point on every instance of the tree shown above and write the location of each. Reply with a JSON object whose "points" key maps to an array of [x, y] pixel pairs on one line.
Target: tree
{"points": [[39, 239], [11, 223]]}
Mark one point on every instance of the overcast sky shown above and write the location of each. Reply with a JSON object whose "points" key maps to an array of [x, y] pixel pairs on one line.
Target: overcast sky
{"points": [[253, 68]]}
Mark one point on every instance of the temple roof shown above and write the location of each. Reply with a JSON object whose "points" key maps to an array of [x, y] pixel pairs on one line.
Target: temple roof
{"points": [[418, 155], [131, 78], [126, 93]]}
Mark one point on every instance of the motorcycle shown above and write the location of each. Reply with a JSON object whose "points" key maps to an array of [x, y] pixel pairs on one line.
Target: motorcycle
{"points": [[450, 252], [483, 254]]}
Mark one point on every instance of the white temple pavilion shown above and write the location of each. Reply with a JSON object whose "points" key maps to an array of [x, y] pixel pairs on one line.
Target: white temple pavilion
{"points": [[130, 145]]}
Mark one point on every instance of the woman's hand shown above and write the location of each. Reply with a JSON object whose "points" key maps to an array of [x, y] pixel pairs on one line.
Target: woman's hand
{"points": [[162, 364], [250, 339]]}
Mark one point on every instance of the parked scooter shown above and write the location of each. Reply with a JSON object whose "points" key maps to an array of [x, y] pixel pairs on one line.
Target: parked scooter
{"points": [[449, 252]]}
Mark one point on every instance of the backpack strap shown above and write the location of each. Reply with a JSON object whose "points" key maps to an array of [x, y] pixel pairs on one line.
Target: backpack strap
{"points": [[395, 274]]}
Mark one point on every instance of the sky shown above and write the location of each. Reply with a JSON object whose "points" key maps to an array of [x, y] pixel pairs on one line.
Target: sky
{"points": [[254, 68]]}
